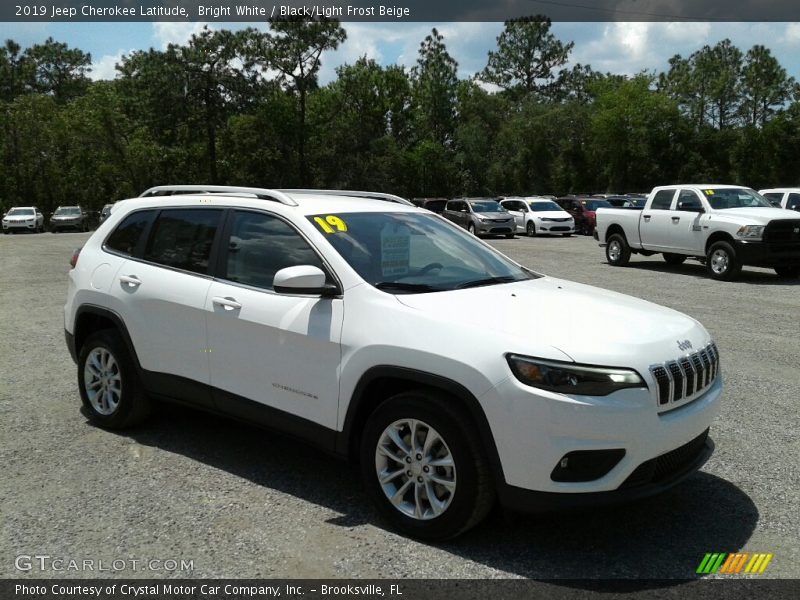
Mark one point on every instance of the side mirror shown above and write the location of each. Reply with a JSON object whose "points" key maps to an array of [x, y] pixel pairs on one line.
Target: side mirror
{"points": [[302, 279], [690, 207]]}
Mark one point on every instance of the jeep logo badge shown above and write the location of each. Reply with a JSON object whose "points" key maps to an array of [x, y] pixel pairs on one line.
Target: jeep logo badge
{"points": [[684, 345]]}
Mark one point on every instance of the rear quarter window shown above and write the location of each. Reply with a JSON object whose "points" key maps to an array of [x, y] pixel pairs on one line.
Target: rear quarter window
{"points": [[126, 237]]}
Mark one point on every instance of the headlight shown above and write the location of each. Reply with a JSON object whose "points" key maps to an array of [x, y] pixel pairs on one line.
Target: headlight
{"points": [[751, 231], [571, 378], [482, 220]]}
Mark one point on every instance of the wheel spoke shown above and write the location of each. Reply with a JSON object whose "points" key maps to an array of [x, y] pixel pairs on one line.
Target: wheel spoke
{"points": [[399, 442], [389, 475], [418, 500], [430, 439], [444, 461], [437, 506], [383, 450], [450, 484], [397, 498], [93, 384]]}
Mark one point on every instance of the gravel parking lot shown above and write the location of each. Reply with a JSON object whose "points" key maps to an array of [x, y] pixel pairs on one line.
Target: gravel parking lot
{"points": [[240, 502]]}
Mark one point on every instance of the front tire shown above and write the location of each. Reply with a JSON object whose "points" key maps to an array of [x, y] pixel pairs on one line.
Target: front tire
{"points": [[108, 382], [722, 262], [530, 229], [471, 229], [674, 259], [423, 466], [787, 272], [618, 252]]}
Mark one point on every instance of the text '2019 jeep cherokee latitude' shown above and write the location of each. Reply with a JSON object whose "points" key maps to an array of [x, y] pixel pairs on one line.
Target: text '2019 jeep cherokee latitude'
{"points": [[350, 322]]}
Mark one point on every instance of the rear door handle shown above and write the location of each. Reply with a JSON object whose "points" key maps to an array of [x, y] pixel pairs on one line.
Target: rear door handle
{"points": [[226, 303], [646, 217], [675, 219], [131, 280]]}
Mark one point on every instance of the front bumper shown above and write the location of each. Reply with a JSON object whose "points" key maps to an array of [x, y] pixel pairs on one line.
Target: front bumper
{"points": [[65, 225], [555, 228], [494, 228], [19, 226], [697, 453], [768, 254], [535, 429]]}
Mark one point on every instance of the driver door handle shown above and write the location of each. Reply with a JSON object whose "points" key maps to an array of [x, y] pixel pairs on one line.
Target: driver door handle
{"points": [[675, 219], [646, 217]]}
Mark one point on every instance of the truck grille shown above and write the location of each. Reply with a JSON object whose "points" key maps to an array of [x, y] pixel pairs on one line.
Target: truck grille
{"points": [[687, 376], [782, 230]]}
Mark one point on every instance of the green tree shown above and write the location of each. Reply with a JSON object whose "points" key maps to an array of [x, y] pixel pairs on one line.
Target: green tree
{"points": [[294, 49], [766, 86], [433, 84], [527, 56], [59, 70], [16, 71]]}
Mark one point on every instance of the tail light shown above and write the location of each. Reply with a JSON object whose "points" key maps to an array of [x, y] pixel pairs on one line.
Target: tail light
{"points": [[74, 260]]}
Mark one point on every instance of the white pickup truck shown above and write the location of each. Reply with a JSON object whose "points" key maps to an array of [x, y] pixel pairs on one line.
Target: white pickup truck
{"points": [[725, 226]]}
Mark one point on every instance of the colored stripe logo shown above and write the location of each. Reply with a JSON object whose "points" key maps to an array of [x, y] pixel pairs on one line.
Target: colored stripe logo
{"points": [[734, 563]]}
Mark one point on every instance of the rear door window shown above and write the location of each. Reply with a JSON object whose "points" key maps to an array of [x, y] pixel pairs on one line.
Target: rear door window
{"points": [[662, 200], [182, 238]]}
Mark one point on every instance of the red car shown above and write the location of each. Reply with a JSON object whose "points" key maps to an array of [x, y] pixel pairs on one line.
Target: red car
{"points": [[583, 211]]}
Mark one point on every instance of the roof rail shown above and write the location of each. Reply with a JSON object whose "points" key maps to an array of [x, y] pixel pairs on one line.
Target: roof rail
{"points": [[354, 194], [262, 193]]}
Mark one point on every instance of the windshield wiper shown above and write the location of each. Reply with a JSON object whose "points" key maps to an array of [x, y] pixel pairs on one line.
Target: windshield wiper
{"points": [[487, 281], [399, 286]]}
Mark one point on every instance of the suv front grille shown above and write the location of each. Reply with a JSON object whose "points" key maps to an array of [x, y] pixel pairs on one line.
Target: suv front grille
{"points": [[686, 377]]}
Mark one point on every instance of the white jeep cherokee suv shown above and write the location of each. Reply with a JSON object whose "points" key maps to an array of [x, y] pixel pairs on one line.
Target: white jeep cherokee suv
{"points": [[350, 322]]}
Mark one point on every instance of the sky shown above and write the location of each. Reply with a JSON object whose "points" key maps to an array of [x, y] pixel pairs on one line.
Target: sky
{"points": [[620, 47]]}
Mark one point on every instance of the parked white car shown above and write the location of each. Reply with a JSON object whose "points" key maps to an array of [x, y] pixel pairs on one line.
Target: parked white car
{"points": [[534, 216], [788, 198], [23, 218], [352, 323], [725, 226]]}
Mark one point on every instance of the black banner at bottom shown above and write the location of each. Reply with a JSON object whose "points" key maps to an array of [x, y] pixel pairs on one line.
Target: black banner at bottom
{"points": [[409, 589]]}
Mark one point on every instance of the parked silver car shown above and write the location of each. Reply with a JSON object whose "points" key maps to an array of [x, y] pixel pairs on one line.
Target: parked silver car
{"points": [[69, 217], [480, 216]]}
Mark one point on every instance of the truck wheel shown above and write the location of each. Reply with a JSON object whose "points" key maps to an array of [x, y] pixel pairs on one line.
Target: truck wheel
{"points": [[674, 259], [722, 262], [618, 253], [530, 229], [787, 272], [424, 467]]}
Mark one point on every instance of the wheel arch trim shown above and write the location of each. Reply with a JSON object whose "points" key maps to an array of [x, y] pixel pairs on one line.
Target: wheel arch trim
{"points": [[359, 405]]}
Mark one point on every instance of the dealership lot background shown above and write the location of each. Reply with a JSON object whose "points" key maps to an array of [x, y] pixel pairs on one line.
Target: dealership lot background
{"points": [[240, 502]]}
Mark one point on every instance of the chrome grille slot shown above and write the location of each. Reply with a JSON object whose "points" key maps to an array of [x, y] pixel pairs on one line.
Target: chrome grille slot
{"points": [[664, 383], [677, 379], [687, 376], [707, 363], [700, 369], [688, 370]]}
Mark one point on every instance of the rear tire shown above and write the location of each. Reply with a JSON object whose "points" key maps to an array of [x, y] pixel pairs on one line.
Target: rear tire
{"points": [[674, 259], [393, 446], [787, 272], [618, 252], [108, 382], [722, 263]]}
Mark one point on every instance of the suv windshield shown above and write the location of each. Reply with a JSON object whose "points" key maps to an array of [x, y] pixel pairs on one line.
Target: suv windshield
{"points": [[544, 206], [68, 210], [485, 206], [408, 253], [19, 212], [720, 199]]}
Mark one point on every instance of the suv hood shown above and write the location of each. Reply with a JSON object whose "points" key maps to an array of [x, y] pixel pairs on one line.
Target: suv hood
{"points": [[493, 215], [590, 325], [758, 216]]}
